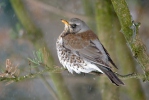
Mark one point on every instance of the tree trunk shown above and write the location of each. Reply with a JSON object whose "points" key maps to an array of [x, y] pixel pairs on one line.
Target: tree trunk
{"points": [[106, 30]]}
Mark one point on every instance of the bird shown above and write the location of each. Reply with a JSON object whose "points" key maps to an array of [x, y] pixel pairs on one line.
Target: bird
{"points": [[79, 50]]}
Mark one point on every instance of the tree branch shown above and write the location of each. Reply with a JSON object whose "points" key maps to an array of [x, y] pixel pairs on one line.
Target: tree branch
{"points": [[130, 32]]}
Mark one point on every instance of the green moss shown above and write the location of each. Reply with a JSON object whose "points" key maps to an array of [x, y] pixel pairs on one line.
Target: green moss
{"points": [[126, 22]]}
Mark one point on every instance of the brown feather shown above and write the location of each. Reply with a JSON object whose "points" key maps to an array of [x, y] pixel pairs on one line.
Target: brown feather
{"points": [[83, 44]]}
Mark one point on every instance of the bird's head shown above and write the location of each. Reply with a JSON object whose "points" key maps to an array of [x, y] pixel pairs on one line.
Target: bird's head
{"points": [[75, 26]]}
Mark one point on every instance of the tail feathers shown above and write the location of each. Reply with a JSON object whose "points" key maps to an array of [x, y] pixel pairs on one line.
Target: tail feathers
{"points": [[114, 79]]}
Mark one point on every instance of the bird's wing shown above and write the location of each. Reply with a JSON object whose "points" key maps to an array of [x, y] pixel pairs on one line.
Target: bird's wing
{"points": [[109, 58], [89, 47]]}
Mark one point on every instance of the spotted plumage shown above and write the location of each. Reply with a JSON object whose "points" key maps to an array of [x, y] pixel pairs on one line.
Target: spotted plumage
{"points": [[79, 50]]}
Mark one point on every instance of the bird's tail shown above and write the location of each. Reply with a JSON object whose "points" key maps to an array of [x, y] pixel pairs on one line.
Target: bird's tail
{"points": [[111, 75]]}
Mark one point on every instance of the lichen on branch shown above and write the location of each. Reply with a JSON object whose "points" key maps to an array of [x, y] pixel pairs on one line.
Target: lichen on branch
{"points": [[130, 31]]}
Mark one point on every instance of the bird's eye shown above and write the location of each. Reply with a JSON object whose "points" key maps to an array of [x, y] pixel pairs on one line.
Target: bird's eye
{"points": [[73, 25]]}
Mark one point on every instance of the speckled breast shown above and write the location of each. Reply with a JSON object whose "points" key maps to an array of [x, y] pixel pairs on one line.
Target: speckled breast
{"points": [[69, 60]]}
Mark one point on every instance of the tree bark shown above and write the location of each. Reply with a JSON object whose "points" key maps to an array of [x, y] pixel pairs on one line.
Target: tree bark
{"points": [[106, 33]]}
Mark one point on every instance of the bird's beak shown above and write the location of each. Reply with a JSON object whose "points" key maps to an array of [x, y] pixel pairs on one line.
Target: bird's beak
{"points": [[65, 22]]}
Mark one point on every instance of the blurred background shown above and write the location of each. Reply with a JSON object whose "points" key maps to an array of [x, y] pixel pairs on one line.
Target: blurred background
{"points": [[24, 24]]}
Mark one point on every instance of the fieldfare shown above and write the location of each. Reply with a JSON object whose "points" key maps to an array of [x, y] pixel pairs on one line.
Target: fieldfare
{"points": [[79, 50]]}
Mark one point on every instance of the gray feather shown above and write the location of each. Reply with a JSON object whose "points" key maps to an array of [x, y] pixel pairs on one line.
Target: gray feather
{"points": [[111, 75]]}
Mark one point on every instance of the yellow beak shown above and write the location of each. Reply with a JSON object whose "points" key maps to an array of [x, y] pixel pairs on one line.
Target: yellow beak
{"points": [[65, 22]]}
